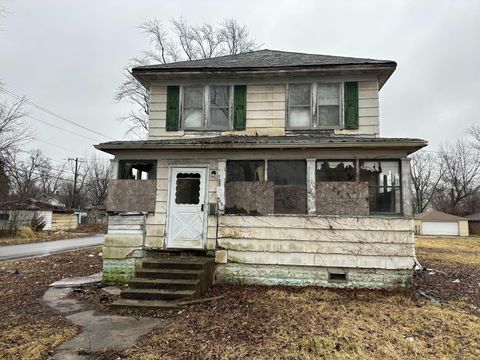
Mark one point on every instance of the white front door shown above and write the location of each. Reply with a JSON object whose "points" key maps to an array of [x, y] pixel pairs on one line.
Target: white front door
{"points": [[187, 209]]}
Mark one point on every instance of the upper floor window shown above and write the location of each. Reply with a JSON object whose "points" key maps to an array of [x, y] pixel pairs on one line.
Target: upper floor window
{"points": [[206, 107], [314, 106]]}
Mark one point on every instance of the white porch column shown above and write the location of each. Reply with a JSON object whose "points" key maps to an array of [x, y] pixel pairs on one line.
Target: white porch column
{"points": [[311, 188], [406, 187], [222, 175], [113, 169]]}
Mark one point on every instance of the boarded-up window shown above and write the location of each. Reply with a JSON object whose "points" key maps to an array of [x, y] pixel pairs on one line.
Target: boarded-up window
{"points": [[383, 179], [246, 192], [137, 169], [290, 179], [336, 170]]}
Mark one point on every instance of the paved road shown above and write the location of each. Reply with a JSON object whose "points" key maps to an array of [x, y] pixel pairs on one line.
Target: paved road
{"points": [[37, 249]]}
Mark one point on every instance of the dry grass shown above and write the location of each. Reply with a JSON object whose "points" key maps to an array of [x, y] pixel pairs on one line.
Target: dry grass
{"points": [[450, 250], [27, 236]]}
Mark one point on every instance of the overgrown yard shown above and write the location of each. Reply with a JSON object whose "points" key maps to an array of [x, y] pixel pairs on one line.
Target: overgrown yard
{"points": [[279, 322], [29, 329]]}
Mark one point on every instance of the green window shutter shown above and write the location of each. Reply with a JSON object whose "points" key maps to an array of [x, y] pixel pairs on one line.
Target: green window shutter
{"points": [[173, 108], [239, 107], [351, 105]]}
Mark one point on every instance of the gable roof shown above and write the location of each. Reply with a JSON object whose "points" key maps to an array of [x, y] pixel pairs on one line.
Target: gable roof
{"points": [[435, 215], [265, 59], [474, 216], [268, 62]]}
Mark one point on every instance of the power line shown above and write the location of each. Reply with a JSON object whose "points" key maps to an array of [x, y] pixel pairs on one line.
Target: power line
{"points": [[57, 146], [18, 97], [60, 128]]}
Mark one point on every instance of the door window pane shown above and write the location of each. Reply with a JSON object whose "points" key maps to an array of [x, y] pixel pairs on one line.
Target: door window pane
{"points": [[331, 170], [192, 106], [187, 189], [328, 103], [290, 185], [299, 98]]}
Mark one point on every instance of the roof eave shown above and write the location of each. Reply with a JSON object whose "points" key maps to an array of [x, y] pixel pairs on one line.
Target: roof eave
{"points": [[146, 76], [409, 146]]}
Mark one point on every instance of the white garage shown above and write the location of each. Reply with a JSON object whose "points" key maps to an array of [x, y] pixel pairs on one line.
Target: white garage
{"points": [[437, 223]]}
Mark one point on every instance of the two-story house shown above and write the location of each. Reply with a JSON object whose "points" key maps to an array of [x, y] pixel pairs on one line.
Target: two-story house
{"points": [[271, 163]]}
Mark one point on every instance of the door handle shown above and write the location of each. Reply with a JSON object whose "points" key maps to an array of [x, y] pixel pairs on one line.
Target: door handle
{"points": [[201, 208]]}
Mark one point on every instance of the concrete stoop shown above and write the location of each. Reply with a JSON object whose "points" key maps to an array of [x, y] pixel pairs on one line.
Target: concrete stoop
{"points": [[163, 282]]}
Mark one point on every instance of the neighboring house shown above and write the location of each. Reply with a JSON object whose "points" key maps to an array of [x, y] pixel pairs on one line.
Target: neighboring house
{"points": [[21, 212], [270, 161], [438, 223], [474, 223]]}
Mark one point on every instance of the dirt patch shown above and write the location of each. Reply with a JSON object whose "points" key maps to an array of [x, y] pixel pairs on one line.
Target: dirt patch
{"points": [[29, 329], [453, 270]]}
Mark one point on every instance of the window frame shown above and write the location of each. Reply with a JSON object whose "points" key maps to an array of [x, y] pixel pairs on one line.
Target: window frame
{"points": [[121, 163], [206, 109], [314, 121], [400, 186]]}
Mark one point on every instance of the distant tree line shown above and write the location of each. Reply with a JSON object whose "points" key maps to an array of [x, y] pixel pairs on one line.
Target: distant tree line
{"points": [[449, 179]]}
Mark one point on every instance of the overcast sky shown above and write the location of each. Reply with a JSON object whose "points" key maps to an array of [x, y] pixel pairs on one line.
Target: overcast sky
{"points": [[68, 56]]}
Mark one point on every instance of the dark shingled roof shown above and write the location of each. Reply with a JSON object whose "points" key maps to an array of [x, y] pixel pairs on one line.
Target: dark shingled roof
{"points": [[435, 215], [473, 217], [33, 205], [265, 59]]}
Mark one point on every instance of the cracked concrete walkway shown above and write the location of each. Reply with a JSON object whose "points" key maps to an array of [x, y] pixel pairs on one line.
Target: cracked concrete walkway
{"points": [[100, 331]]}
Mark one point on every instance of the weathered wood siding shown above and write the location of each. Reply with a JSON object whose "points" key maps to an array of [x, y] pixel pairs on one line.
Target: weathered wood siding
{"points": [[329, 242], [266, 111], [24, 218], [63, 221]]}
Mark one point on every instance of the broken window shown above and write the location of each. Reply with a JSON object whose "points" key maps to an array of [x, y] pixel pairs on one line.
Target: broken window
{"points": [[336, 170], [187, 190], [192, 107], [219, 107], [137, 169], [290, 185], [246, 191], [383, 179], [245, 170]]}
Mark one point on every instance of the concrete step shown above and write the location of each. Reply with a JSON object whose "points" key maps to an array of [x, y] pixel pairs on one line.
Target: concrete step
{"points": [[175, 284], [177, 262], [168, 273], [157, 294], [159, 304]]}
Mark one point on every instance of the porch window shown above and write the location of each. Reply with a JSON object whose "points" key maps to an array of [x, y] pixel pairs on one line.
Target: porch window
{"points": [[245, 170], [384, 185], [193, 107], [137, 169], [290, 185], [336, 170]]}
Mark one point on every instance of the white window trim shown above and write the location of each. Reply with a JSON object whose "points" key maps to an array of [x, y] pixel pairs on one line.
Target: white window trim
{"points": [[206, 113], [314, 107]]}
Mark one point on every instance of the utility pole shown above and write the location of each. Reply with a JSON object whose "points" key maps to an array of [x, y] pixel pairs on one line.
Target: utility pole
{"points": [[75, 177]]}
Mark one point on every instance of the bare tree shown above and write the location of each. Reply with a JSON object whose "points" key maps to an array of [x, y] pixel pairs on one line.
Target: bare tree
{"points": [[97, 181], [475, 133], [427, 173], [461, 179], [183, 41], [13, 131]]}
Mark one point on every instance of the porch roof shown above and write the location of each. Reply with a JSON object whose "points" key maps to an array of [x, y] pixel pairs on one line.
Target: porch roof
{"points": [[311, 141]]}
